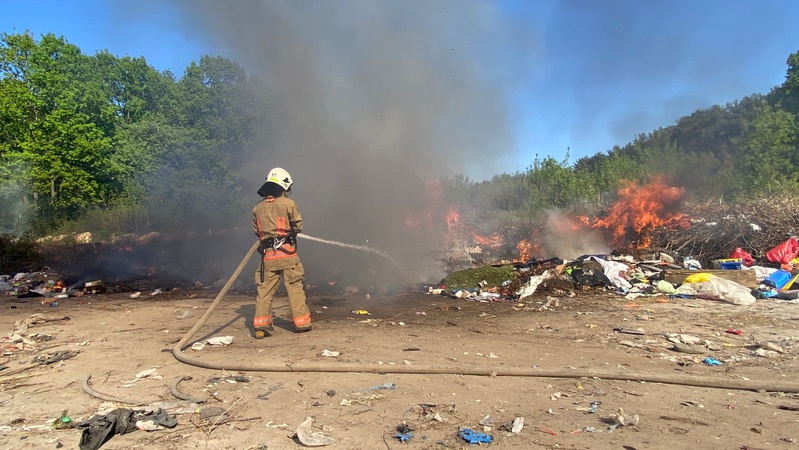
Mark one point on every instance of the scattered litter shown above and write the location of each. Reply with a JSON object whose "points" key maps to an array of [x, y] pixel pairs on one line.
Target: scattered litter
{"points": [[52, 358], [220, 341], [711, 362], [684, 338], [360, 312], [594, 406], [197, 346], [551, 303], [665, 287], [156, 292], [229, 379], [690, 349], [64, 422], [403, 427], [765, 353], [310, 438], [733, 331], [631, 344], [589, 430], [135, 295], [404, 437], [694, 404], [350, 290], [472, 437], [147, 425], [185, 314], [330, 353], [638, 331], [771, 347], [404, 432], [100, 428], [529, 289], [623, 419], [146, 373], [383, 386], [518, 424]]}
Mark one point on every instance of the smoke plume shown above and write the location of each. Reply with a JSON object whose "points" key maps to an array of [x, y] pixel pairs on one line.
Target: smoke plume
{"points": [[370, 100]]}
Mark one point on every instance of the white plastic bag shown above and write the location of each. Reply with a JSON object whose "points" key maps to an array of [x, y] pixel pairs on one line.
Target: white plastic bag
{"points": [[613, 270], [727, 290], [310, 438], [529, 288]]}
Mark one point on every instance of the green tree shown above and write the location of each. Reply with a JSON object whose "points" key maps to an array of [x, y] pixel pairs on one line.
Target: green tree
{"points": [[54, 109], [770, 146], [554, 183], [790, 88]]}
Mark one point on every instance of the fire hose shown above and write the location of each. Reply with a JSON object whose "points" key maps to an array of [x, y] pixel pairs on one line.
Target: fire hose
{"points": [[529, 372]]}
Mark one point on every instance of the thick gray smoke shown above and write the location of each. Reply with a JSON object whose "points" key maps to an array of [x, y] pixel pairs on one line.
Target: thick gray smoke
{"points": [[370, 100], [565, 240]]}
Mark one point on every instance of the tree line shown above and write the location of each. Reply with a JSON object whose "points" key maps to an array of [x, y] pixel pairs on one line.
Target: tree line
{"points": [[744, 150], [114, 140]]}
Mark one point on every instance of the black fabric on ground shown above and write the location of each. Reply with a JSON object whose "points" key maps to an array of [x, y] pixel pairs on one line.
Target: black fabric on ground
{"points": [[101, 428], [589, 273]]}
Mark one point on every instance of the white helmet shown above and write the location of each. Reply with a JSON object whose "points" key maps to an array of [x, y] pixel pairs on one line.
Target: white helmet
{"points": [[280, 177]]}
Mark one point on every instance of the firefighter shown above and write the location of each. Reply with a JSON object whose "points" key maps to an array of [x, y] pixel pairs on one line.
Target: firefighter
{"points": [[276, 222]]}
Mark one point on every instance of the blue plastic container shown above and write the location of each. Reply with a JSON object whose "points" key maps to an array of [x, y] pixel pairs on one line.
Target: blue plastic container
{"points": [[730, 264], [778, 279]]}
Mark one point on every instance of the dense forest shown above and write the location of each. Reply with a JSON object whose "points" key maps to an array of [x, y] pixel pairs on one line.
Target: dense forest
{"points": [[92, 138], [87, 142]]}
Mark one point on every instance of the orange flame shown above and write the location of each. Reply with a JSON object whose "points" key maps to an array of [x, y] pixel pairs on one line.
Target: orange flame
{"points": [[453, 218], [639, 210], [488, 241], [526, 249]]}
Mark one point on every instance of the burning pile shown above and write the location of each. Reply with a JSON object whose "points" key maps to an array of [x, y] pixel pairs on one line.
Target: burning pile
{"points": [[652, 216], [627, 224]]}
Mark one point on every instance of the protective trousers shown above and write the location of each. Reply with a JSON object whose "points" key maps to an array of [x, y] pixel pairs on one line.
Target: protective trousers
{"points": [[293, 278]]}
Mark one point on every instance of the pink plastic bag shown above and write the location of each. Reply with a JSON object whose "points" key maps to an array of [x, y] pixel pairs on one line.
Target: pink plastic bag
{"points": [[746, 257], [784, 253]]}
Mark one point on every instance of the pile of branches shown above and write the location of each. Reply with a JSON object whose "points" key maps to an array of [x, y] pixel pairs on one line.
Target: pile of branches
{"points": [[718, 228], [18, 254]]}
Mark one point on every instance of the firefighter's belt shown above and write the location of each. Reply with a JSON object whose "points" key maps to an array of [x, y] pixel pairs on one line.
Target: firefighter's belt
{"points": [[277, 242]]}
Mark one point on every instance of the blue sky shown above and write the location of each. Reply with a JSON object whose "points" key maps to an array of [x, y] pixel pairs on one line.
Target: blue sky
{"points": [[585, 75]]}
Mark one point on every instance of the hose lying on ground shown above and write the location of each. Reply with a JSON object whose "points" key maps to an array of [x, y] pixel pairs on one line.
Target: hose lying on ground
{"points": [[173, 388], [105, 397], [678, 379]]}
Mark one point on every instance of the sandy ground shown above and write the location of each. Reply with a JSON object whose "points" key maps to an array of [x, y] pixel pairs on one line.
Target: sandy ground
{"points": [[118, 337]]}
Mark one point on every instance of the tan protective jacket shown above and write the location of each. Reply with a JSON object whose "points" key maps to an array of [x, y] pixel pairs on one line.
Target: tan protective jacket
{"points": [[275, 218]]}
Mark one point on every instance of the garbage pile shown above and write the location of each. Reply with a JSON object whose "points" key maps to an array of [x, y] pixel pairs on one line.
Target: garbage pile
{"points": [[739, 280], [717, 229], [48, 286]]}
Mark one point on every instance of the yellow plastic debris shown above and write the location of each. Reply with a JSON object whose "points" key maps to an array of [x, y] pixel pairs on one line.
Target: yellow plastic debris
{"points": [[698, 278]]}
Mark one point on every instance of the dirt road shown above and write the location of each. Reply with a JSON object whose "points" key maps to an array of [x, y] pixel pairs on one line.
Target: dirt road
{"points": [[117, 338]]}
